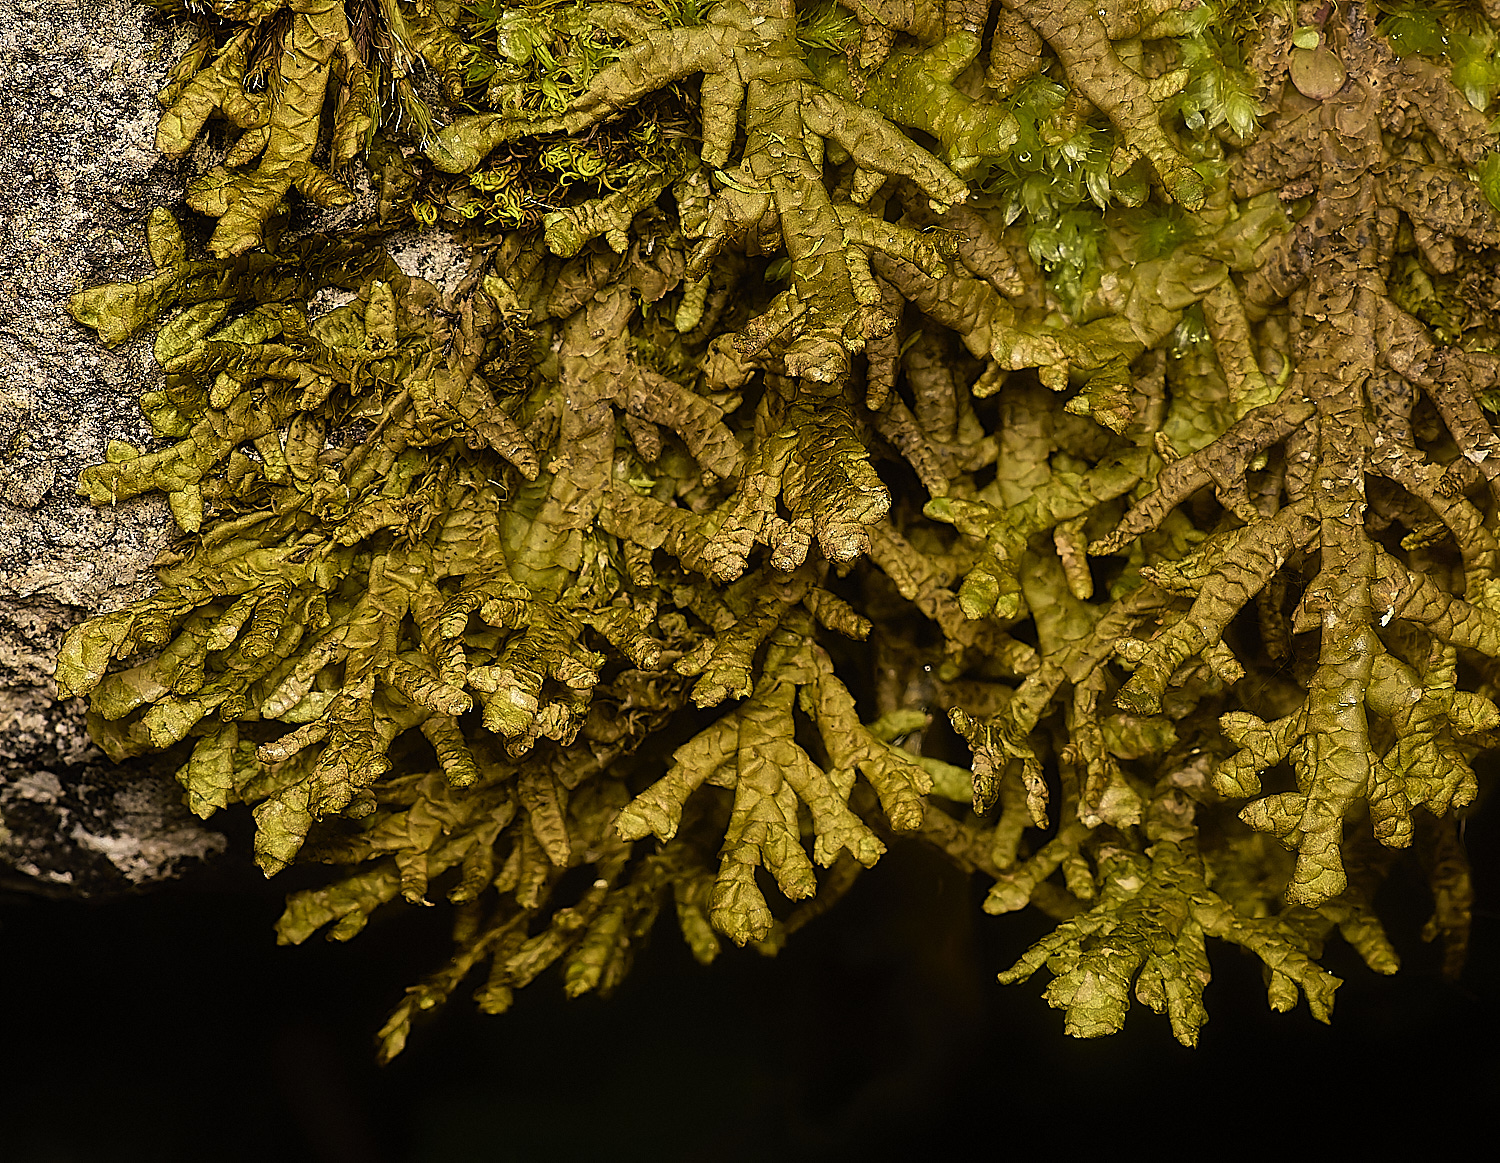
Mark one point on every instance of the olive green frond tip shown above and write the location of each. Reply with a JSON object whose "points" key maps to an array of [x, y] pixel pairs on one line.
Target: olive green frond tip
{"points": [[1058, 434]]}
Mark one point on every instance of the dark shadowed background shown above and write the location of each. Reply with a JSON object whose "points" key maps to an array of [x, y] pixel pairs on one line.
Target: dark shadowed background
{"points": [[171, 1027]]}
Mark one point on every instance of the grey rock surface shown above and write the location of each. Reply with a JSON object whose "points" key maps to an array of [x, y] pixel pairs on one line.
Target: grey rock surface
{"points": [[72, 823], [78, 176]]}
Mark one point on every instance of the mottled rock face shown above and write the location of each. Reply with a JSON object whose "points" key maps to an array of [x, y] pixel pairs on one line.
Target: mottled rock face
{"points": [[72, 822], [78, 179], [78, 176]]}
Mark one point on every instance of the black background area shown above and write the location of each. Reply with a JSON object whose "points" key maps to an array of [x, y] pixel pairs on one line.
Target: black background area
{"points": [[171, 1027]]}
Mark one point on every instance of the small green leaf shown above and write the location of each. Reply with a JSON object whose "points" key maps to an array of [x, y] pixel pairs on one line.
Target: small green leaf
{"points": [[725, 180]]}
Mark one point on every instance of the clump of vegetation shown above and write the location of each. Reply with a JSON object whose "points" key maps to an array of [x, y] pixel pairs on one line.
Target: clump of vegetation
{"points": [[1056, 436]]}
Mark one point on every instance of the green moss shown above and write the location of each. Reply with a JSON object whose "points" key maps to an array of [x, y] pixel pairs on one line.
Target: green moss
{"points": [[789, 326]]}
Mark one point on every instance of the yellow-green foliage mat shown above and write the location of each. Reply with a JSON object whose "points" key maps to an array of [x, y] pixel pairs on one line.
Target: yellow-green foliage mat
{"points": [[1102, 382]]}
